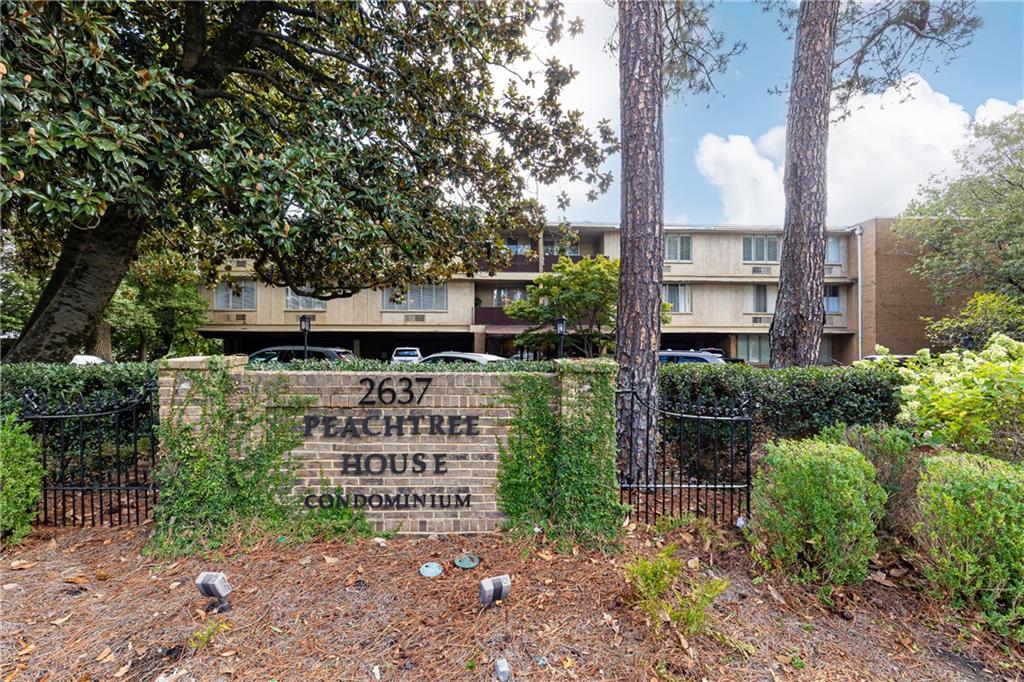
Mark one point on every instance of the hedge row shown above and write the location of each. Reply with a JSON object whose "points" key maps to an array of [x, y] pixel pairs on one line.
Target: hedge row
{"points": [[367, 365], [67, 382], [794, 402]]}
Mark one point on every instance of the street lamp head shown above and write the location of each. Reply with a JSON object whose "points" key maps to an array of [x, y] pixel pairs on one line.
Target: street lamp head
{"points": [[560, 325], [304, 321]]}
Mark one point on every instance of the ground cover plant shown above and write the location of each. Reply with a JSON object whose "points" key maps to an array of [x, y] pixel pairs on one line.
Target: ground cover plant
{"points": [[972, 533], [21, 475], [816, 509]]}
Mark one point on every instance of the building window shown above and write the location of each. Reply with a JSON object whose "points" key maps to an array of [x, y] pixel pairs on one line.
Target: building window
{"points": [[517, 247], [237, 295], [420, 297], [760, 298], [505, 295], [832, 298], [678, 297], [760, 248], [678, 247], [559, 247], [833, 252], [293, 301], [753, 348]]}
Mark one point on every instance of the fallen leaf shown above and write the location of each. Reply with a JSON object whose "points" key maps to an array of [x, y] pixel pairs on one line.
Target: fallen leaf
{"points": [[123, 669], [102, 575], [27, 650], [775, 595], [10, 586], [61, 620], [686, 537], [897, 572], [305, 560], [784, 660], [77, 580], [693, 563], [880, 578], [227, 654], [548, 581], [21, 564], [175, 584], [52, 544], [104, 655], [331, 560], [568, 662]]}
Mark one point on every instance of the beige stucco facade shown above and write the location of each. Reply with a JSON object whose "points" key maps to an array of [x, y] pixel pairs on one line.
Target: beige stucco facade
{"points": [[726, 280]]}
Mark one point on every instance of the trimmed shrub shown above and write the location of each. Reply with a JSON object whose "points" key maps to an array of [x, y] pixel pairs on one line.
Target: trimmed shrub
{"points": [[896, 455], [973, 401], [972, 532], [67, 382], [368, 365], [21, 475], [795, 402], [816, 505]]}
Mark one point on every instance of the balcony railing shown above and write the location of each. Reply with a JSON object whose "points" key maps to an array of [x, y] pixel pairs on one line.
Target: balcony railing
{"points": [[493, 315], [518, 263], [549, 261]]}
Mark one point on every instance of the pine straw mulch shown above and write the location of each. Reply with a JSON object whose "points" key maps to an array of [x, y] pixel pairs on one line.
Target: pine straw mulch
{"points": [[87, 605]]}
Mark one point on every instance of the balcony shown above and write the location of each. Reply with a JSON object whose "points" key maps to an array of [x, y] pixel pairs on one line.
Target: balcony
{"points": [[518, 263], [493, 315], [549, 261]]}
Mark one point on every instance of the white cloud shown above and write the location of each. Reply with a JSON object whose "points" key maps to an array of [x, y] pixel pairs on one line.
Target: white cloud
{"points": [[878, 156]]}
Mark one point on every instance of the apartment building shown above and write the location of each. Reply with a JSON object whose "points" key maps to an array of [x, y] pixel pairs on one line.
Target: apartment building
{"points": [[721, 282]]}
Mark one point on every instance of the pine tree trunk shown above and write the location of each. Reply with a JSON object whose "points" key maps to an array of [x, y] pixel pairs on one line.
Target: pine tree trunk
{"points": [[638, 326], [799, 310], [91, 266]]}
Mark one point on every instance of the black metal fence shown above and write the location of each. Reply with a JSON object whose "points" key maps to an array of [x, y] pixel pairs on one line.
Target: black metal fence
{"points": [[98, 455], [677, 457]]}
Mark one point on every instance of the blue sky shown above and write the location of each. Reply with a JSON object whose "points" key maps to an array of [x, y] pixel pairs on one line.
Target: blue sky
{"points": [[723, 153]]}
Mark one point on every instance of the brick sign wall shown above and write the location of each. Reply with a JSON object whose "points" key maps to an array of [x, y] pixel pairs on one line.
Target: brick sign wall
{"points": [[417, 452]]}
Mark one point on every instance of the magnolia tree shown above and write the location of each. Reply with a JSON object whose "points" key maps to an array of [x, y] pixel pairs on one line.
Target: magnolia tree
{"points": [[341, 146]]}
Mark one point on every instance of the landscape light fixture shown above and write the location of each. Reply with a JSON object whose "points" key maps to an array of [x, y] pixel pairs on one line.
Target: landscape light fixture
{"points": [[215, 586], [495, 589], [304, 321], [560, 330]]}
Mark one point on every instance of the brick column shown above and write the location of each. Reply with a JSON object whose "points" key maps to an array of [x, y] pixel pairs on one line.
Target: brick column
{"points": [[170, 375]]}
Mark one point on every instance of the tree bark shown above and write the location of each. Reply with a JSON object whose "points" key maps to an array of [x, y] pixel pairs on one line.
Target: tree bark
{"points": [[800, 311], [100, 344], [91, 266], [638, 327]]}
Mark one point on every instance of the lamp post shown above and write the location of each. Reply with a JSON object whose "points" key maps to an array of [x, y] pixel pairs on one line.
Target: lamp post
{"points": [[304, 321], [560, 330]]}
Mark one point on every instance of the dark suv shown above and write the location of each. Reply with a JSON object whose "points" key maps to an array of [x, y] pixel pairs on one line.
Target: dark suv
{"points": [[285, 354]]}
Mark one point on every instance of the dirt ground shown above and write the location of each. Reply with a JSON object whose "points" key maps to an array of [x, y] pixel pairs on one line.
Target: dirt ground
{"points": [[88, 605]]}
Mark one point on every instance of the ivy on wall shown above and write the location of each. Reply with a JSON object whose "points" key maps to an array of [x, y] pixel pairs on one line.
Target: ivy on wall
{"points": [[557, 469]]}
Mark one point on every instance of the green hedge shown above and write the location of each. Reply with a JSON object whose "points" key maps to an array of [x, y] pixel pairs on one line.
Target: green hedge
{"points": [[794, 402], [367, 365], [20, 477], [67, 382], [972, 531], [817, 505]]}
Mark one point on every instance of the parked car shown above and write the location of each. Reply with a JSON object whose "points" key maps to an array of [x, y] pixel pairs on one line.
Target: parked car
{"points": [[449, 357], [285, 354], [671, 357], [88, 360], [406, 354]]}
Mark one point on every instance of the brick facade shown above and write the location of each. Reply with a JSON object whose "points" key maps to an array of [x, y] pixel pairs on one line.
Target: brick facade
{"points": [[426, 466]]}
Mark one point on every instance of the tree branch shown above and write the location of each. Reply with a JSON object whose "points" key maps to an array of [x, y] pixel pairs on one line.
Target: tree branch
{"points": [[193, 35]]}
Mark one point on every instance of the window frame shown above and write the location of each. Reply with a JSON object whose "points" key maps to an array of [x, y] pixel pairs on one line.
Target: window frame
{"points": [[754, 307], [679, 238], [494, 296], [561, 248], [388, 306], [751, 244], [837, 298], [243, 284], [763, 343], [686, 288], [288, 293], [839, 250]]}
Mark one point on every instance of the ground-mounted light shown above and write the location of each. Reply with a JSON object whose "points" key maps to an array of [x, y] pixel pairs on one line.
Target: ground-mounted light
{"points": [[215, 586], [304, 326], [560, 331], [495, 589]]}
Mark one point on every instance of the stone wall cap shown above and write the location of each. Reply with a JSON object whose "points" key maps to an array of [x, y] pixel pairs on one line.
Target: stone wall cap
{"points": [[195, 362]]}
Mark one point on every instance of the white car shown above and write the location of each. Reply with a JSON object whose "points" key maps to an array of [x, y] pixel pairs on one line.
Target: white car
{"points": [[406, 355], [88, 360], [450, 357]]}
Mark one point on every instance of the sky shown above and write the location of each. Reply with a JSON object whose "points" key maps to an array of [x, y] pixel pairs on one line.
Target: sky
{"points": [[723, 153]]}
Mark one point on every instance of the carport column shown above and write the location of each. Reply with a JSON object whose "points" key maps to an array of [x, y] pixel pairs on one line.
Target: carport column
{"points": [[479, 338], [174, 384]]}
